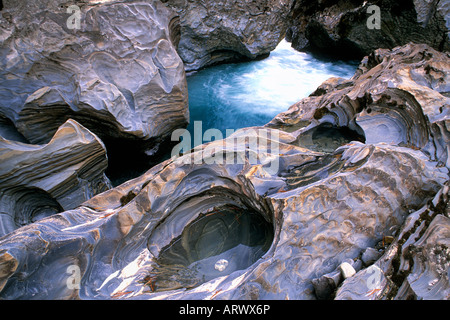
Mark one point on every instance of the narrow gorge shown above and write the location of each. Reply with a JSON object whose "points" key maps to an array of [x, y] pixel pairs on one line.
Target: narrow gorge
{"points": [[224, 150]]}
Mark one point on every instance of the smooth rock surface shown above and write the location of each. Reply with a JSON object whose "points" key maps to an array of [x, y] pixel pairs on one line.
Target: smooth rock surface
{"points": [[368, 284], [429, 278], [338, 220], [40, 180], [222, 31], [118, 74], [325, 286]]}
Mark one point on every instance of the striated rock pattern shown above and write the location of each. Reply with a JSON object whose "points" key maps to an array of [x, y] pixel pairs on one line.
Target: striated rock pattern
{"points": [[37, 181], [117, 73], [340, 27], [285, 211], [398, 96], [222, 31]]}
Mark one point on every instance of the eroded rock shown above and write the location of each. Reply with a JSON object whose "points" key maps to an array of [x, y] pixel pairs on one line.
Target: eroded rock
{"points": [[317, 225], [37, 181], [215, 32], [353, 29], [118, 74], [415, 265], [325, 204], [398, 96]]}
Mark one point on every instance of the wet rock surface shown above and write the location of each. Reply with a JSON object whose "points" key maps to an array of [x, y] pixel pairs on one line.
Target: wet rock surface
{"points": [[215, 32], [415, 265]]}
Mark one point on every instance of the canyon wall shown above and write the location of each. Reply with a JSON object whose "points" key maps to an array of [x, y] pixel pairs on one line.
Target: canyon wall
{"points": [[321, 205], [353, 29]]}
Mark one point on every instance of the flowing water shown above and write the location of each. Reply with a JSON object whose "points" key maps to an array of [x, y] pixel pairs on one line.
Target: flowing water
{"points": [[238, 95]]}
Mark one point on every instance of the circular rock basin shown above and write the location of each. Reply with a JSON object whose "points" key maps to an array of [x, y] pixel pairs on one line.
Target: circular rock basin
{"points": [[217, 243], [327, 137]]}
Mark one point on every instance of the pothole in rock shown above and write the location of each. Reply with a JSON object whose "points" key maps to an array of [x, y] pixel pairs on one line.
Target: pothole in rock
{"points": [[21, 206], [327, 138], [217, 243]]}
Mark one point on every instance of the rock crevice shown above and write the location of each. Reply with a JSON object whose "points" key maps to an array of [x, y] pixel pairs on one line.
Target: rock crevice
{"points": [[353, 29], [294, 209], [118, 74]]}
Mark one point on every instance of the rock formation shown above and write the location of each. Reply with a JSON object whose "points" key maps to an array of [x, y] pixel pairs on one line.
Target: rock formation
{"points": [[40, 180], [110, 65], [353, 29], [415, 265], [223, 31], [398, 96], [300, 199]]}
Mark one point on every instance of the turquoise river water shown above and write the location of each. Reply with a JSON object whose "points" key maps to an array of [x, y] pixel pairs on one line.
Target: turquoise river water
{"points": [[237, 95]]}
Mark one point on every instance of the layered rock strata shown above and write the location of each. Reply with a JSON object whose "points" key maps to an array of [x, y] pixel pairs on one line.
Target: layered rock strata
{"points": [[415, 265], [319, 220], [110, 65], [299, 199], [37, 181]]}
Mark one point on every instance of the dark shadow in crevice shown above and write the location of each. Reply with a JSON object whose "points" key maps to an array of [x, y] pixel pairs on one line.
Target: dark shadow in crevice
{"points": [[216, 244], [327, 137], [9, 131]]}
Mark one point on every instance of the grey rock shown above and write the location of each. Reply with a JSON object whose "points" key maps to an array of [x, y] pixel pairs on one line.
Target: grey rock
{"points": [[370, 255], [367, 284], [325, 286], [118, 75], [357, 264], [429, 278], [147, 238], [416, 265], [389, 90], [173, 194], [214, 32], [347, 270], [341, 27], [40, 180]]}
